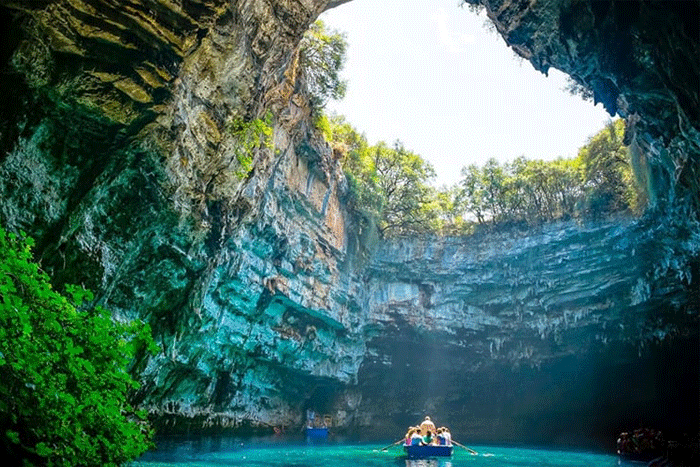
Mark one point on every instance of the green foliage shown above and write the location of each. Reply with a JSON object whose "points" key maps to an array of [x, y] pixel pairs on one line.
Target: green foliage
{"points": [[321, 58], [323, 124], [389, 186], [402, 179], [597, 182], [64, 386], [610, 183], [250, 135]]}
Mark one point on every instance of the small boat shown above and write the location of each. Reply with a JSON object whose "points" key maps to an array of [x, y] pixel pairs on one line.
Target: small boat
{"points": [[316, 432], [641, 445], [428, 450]]}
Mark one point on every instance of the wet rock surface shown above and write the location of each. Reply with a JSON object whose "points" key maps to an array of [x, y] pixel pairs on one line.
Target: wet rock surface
{"points": [[117, 156]]}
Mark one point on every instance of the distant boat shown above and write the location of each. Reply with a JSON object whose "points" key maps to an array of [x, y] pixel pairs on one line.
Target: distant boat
{"points": [[316, 432], [428, 450]]}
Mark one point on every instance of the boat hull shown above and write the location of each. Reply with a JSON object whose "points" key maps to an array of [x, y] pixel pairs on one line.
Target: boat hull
{"points": [[428, 451], [317, 432]]}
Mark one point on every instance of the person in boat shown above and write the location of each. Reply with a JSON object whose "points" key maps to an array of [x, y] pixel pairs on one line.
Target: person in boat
{"points": [[409, 433], [447, 435], [441, 436], [427, 425], [416, 438], [429, 439]]}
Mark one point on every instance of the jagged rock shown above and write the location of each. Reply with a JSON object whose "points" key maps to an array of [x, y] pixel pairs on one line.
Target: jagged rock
{"points": [[117, 156]]}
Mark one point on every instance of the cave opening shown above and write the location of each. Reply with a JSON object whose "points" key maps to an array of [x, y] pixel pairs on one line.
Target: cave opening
{"points": [[565, 338], [444, 83], [613, 388]]}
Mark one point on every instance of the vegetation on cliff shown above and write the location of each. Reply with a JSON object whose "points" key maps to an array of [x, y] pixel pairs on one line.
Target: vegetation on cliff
{"points": [[598, 182], [65, 385], [321, 58], [250, 135], [390, 186]]}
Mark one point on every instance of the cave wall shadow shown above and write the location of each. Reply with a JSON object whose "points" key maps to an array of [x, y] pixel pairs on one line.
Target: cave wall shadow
{"points": [[582, 400]]}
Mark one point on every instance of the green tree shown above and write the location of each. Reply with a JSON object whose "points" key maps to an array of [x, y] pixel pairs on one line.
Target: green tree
{"points": [[355, 155], [402, 177], [609, 183], [598, 182], [495, 184], [321, 59], [388, 186], [471, 198], [64, 385]]}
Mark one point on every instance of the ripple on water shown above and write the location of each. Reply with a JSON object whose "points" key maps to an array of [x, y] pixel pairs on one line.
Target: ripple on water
{"points": [[284, 453]]}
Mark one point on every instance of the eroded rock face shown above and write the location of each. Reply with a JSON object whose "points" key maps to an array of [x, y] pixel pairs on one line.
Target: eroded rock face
{"points": [[514, 335], [117, 155]]}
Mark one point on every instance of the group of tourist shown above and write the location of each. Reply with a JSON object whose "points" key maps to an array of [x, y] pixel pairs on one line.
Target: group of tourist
{"points": [[426, 434], [640, 441]]}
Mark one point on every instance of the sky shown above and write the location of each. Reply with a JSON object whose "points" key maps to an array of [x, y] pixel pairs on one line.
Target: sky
{"points": [[430, 74]]}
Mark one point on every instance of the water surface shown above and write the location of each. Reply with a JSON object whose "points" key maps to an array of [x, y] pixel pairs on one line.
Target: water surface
{"points": [[294, 453]]}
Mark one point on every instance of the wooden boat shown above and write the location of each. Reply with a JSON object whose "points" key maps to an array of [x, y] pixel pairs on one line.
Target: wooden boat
{"points": [[428, 450]]}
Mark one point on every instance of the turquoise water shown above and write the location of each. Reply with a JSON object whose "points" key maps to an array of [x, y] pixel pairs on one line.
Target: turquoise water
{"points": [[285, 453]]}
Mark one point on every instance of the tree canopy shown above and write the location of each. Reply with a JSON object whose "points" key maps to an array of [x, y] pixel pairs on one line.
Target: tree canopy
{"points": [[321, 59], [598, 182], [390, 185]]}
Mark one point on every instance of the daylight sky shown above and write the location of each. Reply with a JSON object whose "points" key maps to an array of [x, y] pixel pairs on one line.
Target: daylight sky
{"points": [[428, 73]]}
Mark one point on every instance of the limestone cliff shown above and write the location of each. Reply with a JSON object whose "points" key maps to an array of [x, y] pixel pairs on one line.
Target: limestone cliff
{"points": [[118, 156]]}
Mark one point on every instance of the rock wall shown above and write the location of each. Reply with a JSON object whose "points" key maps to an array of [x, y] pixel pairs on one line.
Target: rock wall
{"points": [[547, 335], [117, 155]]}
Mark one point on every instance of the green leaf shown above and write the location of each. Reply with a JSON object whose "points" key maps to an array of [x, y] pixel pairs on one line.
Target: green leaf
{"points": [[64, 370], [13, 436]]}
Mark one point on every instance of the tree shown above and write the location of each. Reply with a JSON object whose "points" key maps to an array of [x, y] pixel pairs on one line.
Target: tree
{"points": [[321, 58], [494, 178], [609, 182], [389, 186], [64, 385], [402, 178], [597, 182], [472, 194]]}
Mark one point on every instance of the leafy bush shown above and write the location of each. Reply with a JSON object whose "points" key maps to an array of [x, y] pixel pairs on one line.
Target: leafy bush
{"points": [[64, 385], [250, 135]]}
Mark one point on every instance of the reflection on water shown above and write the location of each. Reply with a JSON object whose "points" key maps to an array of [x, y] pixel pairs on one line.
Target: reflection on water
{"points": [[428, 463], [299, 452]]}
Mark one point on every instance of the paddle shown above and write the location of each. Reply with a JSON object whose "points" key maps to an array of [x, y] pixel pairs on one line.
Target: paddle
{"points": [[392, 444], [463, 446]]}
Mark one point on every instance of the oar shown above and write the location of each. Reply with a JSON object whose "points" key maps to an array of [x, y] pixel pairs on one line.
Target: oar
{"points": [[463, 446], [392, 444]]}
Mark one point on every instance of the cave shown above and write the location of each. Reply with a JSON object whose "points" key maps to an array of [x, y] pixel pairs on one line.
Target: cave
{"points": [[116, 157]]}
